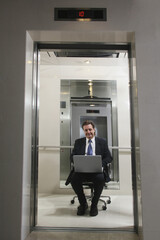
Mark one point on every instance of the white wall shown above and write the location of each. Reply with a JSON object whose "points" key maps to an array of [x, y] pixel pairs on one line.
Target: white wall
{"points": [[49, 130], [140, 16]]}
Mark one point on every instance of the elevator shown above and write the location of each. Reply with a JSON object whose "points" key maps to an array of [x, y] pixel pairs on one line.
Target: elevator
{"points": [[65, 100]]}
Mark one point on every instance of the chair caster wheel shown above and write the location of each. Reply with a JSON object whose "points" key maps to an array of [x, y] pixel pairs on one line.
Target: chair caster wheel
{"points": [[104, 207], [72, 201], [109, 201]]}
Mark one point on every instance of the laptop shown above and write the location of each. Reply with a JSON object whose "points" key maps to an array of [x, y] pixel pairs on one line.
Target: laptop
{"points": [[87, 164]]}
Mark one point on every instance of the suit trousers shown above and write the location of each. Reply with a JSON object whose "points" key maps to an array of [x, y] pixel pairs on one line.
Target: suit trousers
{"points": [[98, 183]]}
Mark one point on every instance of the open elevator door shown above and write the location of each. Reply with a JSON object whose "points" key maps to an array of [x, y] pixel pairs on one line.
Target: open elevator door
{"points": [[94, 100], [100, 120]]}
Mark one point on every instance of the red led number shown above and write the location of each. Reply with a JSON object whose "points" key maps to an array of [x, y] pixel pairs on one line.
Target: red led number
{"points": [[81, 14]]}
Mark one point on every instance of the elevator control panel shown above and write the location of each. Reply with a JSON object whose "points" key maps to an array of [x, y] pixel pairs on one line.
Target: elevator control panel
{"points": [[80, 14]]}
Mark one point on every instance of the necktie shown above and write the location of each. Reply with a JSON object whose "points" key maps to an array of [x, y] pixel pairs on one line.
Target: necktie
{"points": [[90, 150]]}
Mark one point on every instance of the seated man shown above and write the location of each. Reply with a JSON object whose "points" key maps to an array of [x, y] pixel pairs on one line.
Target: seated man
{"points": [[90, 145]]}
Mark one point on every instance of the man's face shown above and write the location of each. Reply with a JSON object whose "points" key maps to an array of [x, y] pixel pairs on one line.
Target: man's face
{"points": [[89, 131]]}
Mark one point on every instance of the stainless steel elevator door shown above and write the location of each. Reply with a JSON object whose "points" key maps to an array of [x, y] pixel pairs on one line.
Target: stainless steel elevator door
{"points": [[98, 112], [100, 125]]}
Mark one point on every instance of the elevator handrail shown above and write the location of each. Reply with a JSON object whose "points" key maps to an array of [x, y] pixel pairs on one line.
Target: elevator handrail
{"points": [[70, 147]]}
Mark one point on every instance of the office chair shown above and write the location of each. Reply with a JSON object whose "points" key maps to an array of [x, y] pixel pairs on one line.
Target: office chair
{"points": [[89, 185]]}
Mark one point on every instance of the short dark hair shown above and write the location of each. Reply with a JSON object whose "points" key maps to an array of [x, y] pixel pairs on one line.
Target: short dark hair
{"points": [[87, 122]]}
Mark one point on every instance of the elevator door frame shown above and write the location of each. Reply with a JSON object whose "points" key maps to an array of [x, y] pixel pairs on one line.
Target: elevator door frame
{"points": [[34, 178]]}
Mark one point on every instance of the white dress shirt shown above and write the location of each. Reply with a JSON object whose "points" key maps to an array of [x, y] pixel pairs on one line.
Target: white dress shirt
{"points": [[93, 144]]}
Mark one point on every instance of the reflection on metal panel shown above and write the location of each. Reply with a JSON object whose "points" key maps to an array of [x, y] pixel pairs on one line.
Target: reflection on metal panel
{"points": [[80, 104]]}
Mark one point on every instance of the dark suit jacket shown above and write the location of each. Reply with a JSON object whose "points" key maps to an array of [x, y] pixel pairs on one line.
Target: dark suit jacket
{"points": [[101, 149]]}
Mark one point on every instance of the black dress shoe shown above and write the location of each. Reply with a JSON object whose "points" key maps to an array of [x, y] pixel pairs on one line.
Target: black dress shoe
{"points": [[82, 209], [93, 211]]}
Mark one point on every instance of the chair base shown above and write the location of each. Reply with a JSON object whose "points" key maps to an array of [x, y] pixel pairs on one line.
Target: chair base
{"points": [[89, 198]]}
